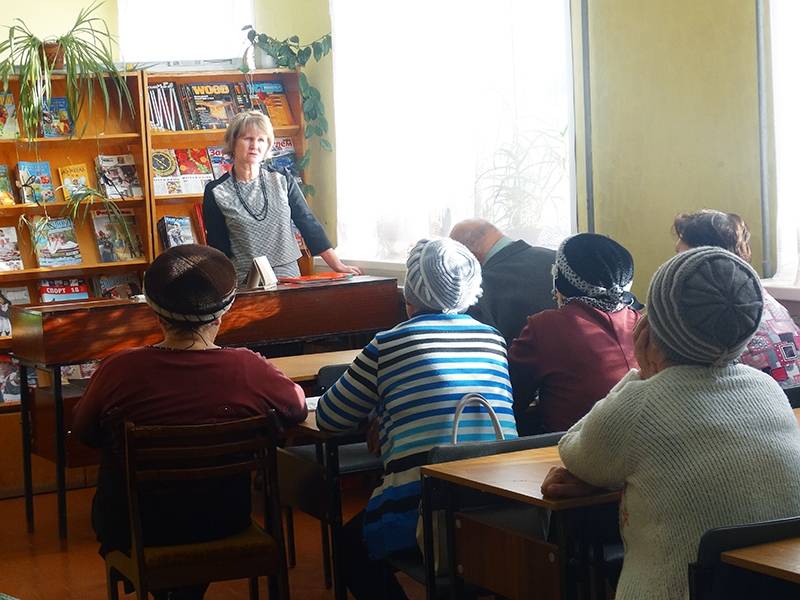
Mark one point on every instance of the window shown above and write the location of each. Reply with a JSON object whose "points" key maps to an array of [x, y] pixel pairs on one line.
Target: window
{"points": [[785, 46], [447, 110], [158, 31]]}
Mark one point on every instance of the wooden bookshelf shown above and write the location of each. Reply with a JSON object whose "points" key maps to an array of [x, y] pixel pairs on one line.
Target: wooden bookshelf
{"points": [[119, 132], [177, 205]]}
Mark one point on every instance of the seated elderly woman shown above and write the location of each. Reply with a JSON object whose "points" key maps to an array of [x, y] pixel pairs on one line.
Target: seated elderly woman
{"points": [[693, 439], [186, 379], [775, 346], [571, 356], [411, 377]]}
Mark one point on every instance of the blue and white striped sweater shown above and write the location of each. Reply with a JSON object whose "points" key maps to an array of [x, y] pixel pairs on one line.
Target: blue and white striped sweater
{"points": [[412, 377]]}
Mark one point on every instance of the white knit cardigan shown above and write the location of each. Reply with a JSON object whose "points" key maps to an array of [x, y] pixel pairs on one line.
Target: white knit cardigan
{"points": [[692, 448]]}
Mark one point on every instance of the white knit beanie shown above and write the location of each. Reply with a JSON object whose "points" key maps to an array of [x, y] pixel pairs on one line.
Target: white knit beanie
{"points": [[704, 305], [442, 275]]}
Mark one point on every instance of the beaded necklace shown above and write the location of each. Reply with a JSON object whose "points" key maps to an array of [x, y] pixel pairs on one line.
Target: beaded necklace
{"points": [[261, 214]]}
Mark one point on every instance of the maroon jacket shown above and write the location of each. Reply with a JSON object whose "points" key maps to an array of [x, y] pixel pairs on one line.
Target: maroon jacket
{"points": [[572, 357]]}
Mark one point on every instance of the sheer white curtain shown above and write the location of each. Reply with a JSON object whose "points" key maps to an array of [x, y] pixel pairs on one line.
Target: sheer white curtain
{"points": [[784, 21], [171, 30], [450, 109]]}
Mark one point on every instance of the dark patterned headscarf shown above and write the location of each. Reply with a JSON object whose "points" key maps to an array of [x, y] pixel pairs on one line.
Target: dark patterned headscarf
{"points": [[595, 270]]}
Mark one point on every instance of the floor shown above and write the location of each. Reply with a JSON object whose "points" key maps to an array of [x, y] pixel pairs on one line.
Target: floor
{"points": [[39, 567]]}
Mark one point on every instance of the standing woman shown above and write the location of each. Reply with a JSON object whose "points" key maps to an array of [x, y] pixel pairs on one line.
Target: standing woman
{"points": [[249, 212]]}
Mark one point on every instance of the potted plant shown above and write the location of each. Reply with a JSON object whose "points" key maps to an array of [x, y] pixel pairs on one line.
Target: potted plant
{"points": [[87, 62], [291, 54]]}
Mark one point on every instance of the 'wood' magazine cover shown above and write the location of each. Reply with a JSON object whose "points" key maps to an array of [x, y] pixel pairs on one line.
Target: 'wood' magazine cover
{"points": [[55, 242], [215, 104]]}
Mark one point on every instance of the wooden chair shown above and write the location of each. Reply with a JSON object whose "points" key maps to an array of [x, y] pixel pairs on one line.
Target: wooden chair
{"points": [[711, 579], [183, 455]]}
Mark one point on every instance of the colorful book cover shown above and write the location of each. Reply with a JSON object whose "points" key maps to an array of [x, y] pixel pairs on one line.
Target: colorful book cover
{"points": [[73, 179], [214, 104], [55, 242], [166, 110], [63, 290], [8, 297], [118, 237], [282, 155], [166, 177], [175, 231], [9, 392], [10, 259], [194, 168], [36, 182], [221, 163], [9, 125], [117, 176], [7, 197], [117, 286], [56, 120], [270, 98]]}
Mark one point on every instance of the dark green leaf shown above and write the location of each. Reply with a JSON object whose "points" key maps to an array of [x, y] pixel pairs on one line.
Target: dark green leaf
{"points": [[263, 39], [294, 39], [303, 162], [251, 35], [246, 27], [309, 131], [325, 145], [309, 190], [317, 50]]}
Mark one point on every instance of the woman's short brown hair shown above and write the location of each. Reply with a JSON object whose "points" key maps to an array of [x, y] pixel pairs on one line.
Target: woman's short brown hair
{"points": [[709, 227], [244, 121]]}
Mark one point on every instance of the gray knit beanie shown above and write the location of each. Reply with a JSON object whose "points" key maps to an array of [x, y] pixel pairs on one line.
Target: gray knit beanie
{"points": [[442, 275], [703, 306]]}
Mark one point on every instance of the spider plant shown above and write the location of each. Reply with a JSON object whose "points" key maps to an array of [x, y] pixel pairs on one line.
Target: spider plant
{"points": [[88, 63]]}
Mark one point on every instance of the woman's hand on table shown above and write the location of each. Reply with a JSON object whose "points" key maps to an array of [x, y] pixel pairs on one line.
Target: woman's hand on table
{"points": [[560, 483], [335, 263]]}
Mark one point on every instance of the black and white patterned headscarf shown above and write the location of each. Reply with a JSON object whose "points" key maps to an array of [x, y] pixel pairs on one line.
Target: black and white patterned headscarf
{"points": [[595, 270]]}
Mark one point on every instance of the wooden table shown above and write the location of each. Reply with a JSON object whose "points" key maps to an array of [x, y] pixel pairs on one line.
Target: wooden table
{"points": [[779, 559], [53, 335], [515, 476], [304, 367]]}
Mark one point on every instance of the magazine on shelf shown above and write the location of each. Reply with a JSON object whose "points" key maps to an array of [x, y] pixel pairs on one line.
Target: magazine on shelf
{"points": [[117, 286], [73, 178], [10, 296], [214, 104], [194, 168], [56, 120], [10, 258], [36, 182], [9, 125], [117, 236], [117, 176], [282, 156], [175, 231], [55, 242], [166, 108], [270, 98], [9, 392], [166, 177], [221, 163], [63, 290], [7, 197]]}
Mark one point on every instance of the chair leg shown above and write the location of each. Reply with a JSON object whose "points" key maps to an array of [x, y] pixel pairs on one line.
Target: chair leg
{"points": [[112, 584], [290, 548], [272, 587], [326, 554], [254, 588]]}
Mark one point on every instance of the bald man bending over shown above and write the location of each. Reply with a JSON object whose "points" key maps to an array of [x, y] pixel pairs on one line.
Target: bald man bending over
{"points": [[516, 276]]}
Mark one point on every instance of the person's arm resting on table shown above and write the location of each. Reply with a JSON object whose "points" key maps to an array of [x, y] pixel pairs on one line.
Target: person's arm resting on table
{"points": [[351, 399]]}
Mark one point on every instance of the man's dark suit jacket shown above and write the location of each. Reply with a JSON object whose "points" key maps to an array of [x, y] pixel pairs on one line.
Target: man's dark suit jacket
{"points": [[516, 283]]}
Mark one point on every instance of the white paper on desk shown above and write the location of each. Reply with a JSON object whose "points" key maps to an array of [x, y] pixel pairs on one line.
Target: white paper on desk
{"points": [[311, 402]]}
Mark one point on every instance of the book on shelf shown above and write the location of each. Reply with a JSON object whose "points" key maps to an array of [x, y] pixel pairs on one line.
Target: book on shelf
{"points": [[282, 156], [270, 98], [199, 222], [9, 125], [55, 242], [166, 108], [10, 296], [213, 104], [175, 231], [63, 290], [73, 179], [35, 182], [194, 168], [117, 176], [117, 236], [80, 371], [243, 101], [10, 258], [56, 120], [7, 197], [117, 286], [221, 162], [9, 392], [166, 177]]}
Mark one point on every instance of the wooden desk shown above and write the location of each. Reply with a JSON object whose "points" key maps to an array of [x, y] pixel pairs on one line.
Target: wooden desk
{"points": [[515, 476], [53, 335], [305, 367], [779, 559]]}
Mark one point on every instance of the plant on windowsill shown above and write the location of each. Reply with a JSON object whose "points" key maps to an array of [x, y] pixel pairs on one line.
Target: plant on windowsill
{"points": [[291, 54]]}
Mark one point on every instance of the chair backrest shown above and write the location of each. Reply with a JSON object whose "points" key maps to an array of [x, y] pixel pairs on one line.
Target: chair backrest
{"points": [[329, 375], [706, 575], [158, 456]]}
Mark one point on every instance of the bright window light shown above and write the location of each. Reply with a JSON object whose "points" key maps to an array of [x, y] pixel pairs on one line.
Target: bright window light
{"points": [[447, 110]]}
